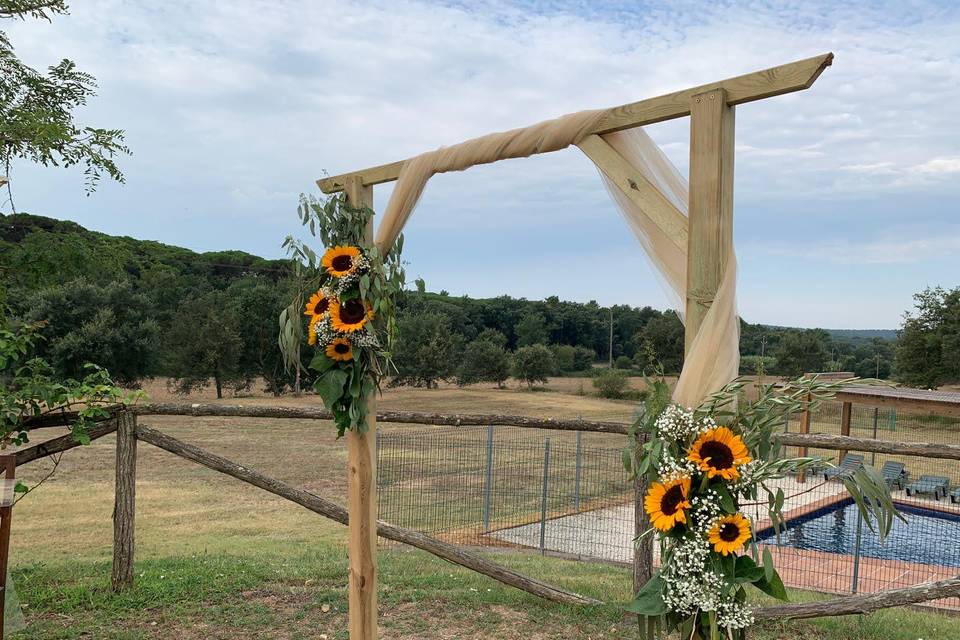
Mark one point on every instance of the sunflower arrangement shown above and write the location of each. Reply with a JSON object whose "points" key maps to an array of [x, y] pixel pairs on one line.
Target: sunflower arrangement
{"points": [[349, 312], [704, 468]]}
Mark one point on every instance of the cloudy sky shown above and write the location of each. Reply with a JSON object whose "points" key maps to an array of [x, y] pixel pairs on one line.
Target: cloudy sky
{"points": [[846, 194]]}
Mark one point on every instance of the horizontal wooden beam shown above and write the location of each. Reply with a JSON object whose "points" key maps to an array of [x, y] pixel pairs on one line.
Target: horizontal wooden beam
{"points": [[335, 512], [401, 417], [637, 188], [63, 443], [775, 81], [845, 443], [862, 604]]}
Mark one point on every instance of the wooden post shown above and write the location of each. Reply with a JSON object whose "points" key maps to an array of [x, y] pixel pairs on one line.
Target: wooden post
{"points": [[362, 491], [845, 414], [643, 551], [9, 463], [804, 428], [710, 239], [124, 506]]}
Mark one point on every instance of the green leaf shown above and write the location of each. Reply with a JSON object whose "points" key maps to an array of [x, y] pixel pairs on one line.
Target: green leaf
{"points": [[747, 570], [773, 587], [321, 363], [726, 499], [330, 387], [649, 600], [768, 569]]}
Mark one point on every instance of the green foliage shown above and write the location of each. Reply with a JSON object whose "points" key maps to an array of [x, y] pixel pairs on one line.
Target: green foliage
{"points": [[532, 329], [205, 343], [623, 362], [82, 322], [928, 353], [256, 302], [37, 109], [611, 383], [427, 350], [485, 360], [802, 351], [533, 364], [660, 344], [29, 387]]}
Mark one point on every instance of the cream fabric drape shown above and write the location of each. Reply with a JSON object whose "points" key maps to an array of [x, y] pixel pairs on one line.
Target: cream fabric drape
{"points": [[713, 358]]}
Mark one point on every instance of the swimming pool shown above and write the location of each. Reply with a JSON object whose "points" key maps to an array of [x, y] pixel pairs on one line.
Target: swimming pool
{"points": [[927, 537]]}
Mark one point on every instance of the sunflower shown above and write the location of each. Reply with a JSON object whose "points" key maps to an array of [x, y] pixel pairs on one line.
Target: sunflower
{"points": [[350, 315], [665, 503], [340, 261], [340, 349], [312, 330], [317, 305], [729, 533], [719, 452]]}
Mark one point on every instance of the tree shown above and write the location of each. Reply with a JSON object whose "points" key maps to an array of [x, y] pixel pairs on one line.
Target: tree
{"points": [[484, 360], [111, 326], [533, 364], [257, 302], [611, 383], [802, 351], [661, 343], [426, 350], [531, 330], [928, 352], [205, 342], [36, 109]]}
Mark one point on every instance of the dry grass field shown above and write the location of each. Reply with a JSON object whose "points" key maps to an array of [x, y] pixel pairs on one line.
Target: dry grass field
{"points": [[220, 559]]}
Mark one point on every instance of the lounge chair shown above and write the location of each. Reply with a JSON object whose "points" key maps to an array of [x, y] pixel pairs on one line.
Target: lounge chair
{"points": [[851, 462], [937, 485], [955, 495], [895, 474]]}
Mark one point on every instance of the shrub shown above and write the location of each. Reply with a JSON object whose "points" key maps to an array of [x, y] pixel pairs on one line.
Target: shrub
{"points": [[484, 361], [583, 358], [611, 383], [533, 364], [623, 362]]}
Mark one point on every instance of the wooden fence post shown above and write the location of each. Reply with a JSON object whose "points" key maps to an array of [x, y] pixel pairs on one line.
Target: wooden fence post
{"points": [[804, 428], [124, 506], [362, 491], [9, 464], [845, 415]]}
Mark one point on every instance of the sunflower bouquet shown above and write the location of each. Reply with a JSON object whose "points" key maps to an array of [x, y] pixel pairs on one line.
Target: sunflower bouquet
{"points": [[349, 312], [704, 467]]}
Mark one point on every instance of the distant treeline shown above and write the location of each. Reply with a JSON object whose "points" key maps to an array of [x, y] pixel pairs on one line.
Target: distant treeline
{"points": [[144, 309]]}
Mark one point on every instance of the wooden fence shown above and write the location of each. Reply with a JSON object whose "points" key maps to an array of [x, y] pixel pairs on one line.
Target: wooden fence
{"points": [[129, 432]]}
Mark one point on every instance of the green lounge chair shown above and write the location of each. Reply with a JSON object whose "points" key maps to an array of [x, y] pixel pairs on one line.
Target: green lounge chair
{"points": [[895, 473], [851, 462], [937, 485]]}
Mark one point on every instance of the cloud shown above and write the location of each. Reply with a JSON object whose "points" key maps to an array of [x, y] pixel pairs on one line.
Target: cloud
{"points": [[890, 251]]}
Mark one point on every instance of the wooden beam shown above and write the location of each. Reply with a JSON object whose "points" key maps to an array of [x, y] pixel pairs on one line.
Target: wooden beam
{"points": [[775, 81], [68, 441], [843, 443], [8, 462], [335, 512], [804, 430], [395, 417], [711, 204], [635, 186], [362, 488], [846, 411], [862, 604], [124, 506]]}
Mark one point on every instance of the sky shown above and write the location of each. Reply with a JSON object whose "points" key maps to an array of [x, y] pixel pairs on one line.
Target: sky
{"points": [[845, 194]]}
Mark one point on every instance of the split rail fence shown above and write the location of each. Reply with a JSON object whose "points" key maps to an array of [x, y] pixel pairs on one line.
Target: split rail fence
{"points": [[129, 432]]}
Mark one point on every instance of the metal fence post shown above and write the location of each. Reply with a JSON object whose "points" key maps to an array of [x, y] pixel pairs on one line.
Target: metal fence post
{"points": [[856, 554], [488, 481], [576, 473], [543, 493]]}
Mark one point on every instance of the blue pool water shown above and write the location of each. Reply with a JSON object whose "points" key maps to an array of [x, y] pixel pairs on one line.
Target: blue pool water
{"points": [[927, 537]]}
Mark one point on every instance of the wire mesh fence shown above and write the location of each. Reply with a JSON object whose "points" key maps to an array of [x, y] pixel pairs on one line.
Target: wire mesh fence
{"points": [[547, 493]]}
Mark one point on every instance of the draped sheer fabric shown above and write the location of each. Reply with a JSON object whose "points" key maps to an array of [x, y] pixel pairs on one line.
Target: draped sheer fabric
{"points": [[713, 358]]}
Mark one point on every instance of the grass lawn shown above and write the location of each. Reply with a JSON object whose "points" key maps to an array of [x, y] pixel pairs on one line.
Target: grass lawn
{"points": [[219, 559]]}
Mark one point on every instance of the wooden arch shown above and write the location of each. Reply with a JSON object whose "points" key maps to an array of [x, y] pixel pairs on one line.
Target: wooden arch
{"points": [[706, 235]]}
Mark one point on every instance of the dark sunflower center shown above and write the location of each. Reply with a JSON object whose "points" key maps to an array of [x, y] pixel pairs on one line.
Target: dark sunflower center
{"points": [[341, 263], [352, 311], [321, 307], [341, 348], [729, 532], [670, 500], [720, 455]]}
